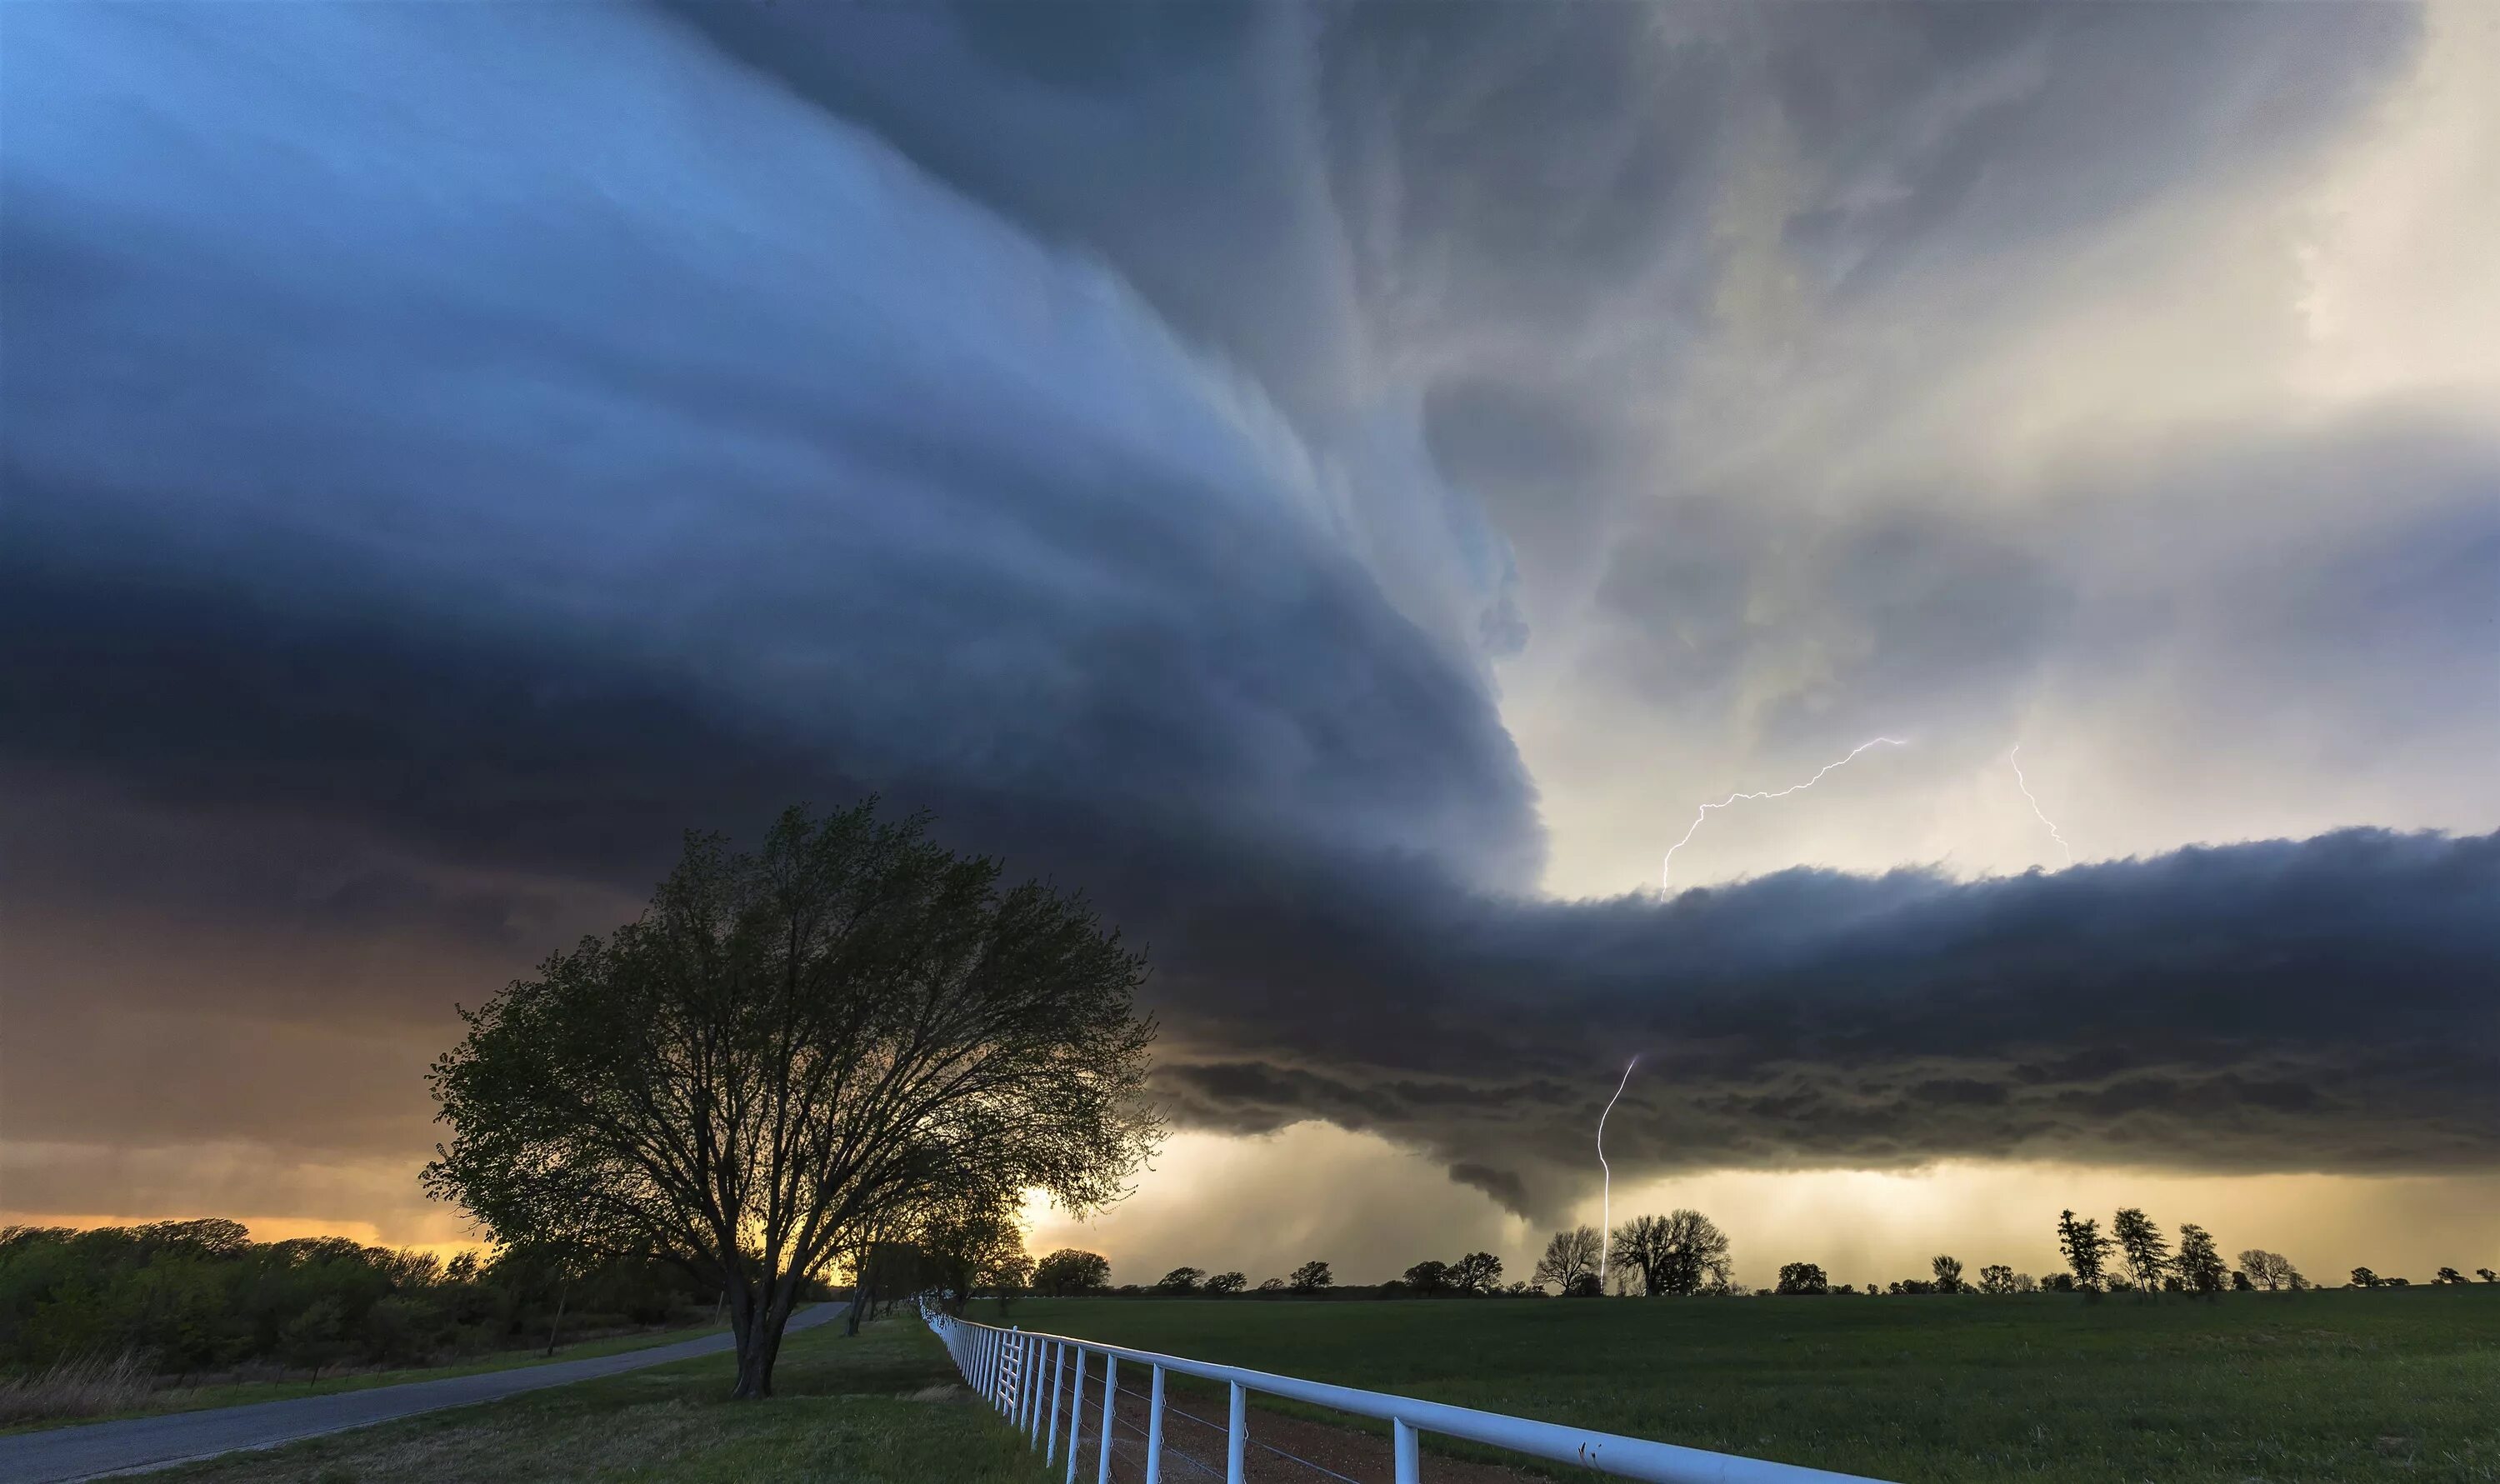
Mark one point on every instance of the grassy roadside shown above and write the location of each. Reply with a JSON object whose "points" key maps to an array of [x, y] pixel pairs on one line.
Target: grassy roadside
{"points": [[192, 1399], [882, 1408]]}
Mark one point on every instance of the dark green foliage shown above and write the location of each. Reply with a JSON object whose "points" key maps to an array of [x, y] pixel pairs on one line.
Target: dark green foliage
{"points": [[1428, 1277], [1311, 1277], [2200, 1266], [1477, 1272], [2141, 1242], [2086, 1250], [1802, 1278], [1070, 1271], [195, 1297], [1226, 1283]]}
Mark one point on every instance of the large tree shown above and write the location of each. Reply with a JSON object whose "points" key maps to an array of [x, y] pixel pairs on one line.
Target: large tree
{"points": [[2270, 1270], [2199, 1263], [793, 1051], [1681, 1253], [2147, 1251], [1477, 1272], [2086, 1250], [1802, 1278], [1070, 1271], [1429, 1276], [1570, 1263], [969, 1240]]}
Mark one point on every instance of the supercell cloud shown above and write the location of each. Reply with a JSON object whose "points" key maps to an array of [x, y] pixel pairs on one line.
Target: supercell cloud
{"points": [[1339, 484]]}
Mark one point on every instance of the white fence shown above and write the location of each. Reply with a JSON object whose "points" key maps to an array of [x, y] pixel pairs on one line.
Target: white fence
{"points": [[1038, 1379]]}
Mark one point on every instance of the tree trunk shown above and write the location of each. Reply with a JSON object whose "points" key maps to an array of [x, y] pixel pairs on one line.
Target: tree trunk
{"points": [[759, 1338], [561, 1290]]}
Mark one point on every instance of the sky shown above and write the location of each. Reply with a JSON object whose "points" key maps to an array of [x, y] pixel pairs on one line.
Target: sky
{"points": [[1345, 485]]}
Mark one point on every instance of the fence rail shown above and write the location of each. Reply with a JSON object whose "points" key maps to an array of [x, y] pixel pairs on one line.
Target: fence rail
{"points": [[1021, 1373]]}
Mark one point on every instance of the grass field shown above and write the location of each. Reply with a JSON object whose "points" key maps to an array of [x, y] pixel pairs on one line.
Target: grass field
{"points": [[882, 1408], [191, 1399], [2274, 1388], [2248, 1390]]}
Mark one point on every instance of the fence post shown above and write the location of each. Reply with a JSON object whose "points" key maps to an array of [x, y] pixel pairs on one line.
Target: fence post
{"points": [[1058, 1374], [1238, 1437], [1046, 1355], [1410, 1456], [1155, 1432], [1077, 1416], [1028, 1397], [1110, 1418]]}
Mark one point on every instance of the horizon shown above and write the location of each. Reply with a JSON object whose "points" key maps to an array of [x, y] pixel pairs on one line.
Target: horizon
{"points": [[1346, 488]]}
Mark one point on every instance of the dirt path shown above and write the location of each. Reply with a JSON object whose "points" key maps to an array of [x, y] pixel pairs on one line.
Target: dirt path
{"points": [[1282, 1450]]}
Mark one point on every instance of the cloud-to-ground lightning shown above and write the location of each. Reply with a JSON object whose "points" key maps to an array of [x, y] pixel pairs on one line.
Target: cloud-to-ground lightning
{"points": [[1606, 1205], [1668, 879], [2016, 758]]}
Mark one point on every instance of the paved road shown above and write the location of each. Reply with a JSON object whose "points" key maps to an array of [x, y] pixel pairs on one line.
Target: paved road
{"points": [[150, 1442]]}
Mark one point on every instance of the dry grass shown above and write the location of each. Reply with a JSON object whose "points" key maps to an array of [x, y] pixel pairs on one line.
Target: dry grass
{"points": [[93, 1386]]}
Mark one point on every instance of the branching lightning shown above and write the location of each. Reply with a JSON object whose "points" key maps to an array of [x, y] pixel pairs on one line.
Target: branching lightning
{"points": [[1668, 878], [1606, 1207], [2016, 758]]}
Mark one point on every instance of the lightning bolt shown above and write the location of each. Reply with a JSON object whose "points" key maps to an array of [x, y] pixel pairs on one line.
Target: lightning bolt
{"points": [[2016, 758], [1606, 1208], [1667, 880]]}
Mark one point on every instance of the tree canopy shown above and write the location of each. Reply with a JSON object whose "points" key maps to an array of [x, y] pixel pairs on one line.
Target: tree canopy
{"points": [[1070, 1271], [1570, 1262], [797, 1051], [1681, 1252]]}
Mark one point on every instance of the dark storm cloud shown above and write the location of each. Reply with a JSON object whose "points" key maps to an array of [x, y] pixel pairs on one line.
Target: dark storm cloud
{"points": [[563, 472], [504, 462], [2318, 1005]]}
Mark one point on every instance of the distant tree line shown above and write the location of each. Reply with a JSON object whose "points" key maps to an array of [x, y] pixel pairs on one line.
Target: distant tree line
{"points": [[1684, 1253], [187, 1299]]}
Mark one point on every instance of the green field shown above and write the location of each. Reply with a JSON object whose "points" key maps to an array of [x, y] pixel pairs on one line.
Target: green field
{"points": [[2401, 1384]]}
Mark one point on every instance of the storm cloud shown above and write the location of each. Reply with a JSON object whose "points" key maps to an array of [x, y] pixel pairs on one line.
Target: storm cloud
{"points": [[1338, 484]]}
